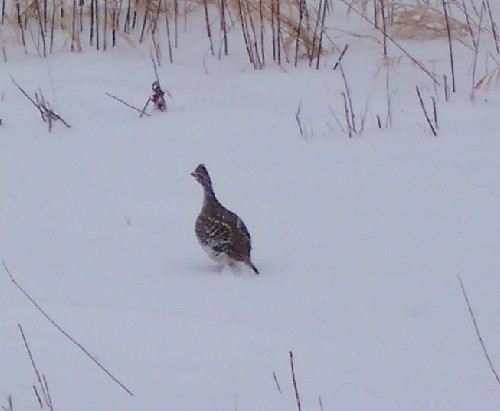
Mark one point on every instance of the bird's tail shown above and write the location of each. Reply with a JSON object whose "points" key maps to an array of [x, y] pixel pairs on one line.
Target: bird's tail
{"points": [[250, 264]]}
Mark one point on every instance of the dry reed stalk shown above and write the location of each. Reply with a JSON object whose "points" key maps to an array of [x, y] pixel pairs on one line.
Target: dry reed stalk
{"points": [[144, 21], [469, 24], [257, 61], [52, 26], [97, 19], [394, 42], [322, 28], [169, 42], [341, 56], [81, 3], [422, 21], [261, 17], [315, 34], [434, 112], [223, 26], [424, 110], [278, 30], [176, 22], [384, 26], [20, 25], [388, 120], [245, 32], [450, 48], [3, 12], [492, 24], [273, 29], [126, 24], [207, 24], [92, 22], [105, 28], [347, 116], [476, 53], [115, 18], [73, 28], [297, 42]]}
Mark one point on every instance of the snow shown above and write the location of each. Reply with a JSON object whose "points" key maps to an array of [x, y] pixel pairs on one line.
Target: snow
{"points": [[358, 241]]}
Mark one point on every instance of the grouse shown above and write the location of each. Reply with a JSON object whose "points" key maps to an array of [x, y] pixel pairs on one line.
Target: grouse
{"points": [[220, 232]]}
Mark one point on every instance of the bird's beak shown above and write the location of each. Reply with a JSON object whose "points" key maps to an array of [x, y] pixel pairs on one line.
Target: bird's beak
{"points": [[193, 174]]}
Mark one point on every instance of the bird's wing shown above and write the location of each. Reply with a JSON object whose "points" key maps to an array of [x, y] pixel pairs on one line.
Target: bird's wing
{"points": [[213, 232]]}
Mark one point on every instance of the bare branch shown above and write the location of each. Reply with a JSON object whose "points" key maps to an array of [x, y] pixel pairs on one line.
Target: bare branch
{"points": [[478, 334], [62, 331], [126, 104]]}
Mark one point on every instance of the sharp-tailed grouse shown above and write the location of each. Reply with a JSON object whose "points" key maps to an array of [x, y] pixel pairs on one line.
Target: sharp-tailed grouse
{"points": [[220, 232]]}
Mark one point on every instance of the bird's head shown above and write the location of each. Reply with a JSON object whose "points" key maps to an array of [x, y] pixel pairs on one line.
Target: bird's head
{"points": [[201, 175]]}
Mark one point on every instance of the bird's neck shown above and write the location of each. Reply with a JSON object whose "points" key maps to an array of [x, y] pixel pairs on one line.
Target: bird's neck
{"points": [[209, 198]]}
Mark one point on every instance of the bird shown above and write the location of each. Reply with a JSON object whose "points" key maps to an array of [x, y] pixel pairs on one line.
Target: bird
{"points": [[220, 232]]}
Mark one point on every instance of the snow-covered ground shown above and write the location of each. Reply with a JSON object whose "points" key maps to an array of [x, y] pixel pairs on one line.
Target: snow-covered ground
{"points": [[359, 240]]}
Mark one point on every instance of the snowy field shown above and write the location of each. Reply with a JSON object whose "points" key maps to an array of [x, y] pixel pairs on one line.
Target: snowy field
{"points": [[359, 241]]}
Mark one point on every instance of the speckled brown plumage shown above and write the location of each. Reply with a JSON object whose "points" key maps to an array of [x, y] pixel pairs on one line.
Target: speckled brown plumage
{"points": [[220, 232]]}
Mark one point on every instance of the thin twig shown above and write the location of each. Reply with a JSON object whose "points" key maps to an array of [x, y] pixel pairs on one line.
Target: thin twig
{"points": [[32, 360], [277, 383], [429, 122], [49, 398], [299, 122], [452, 61], [420, 65], [48, 115], [478, 334], [126, 104], [63, 332], [294, 381], [346, 47]]}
